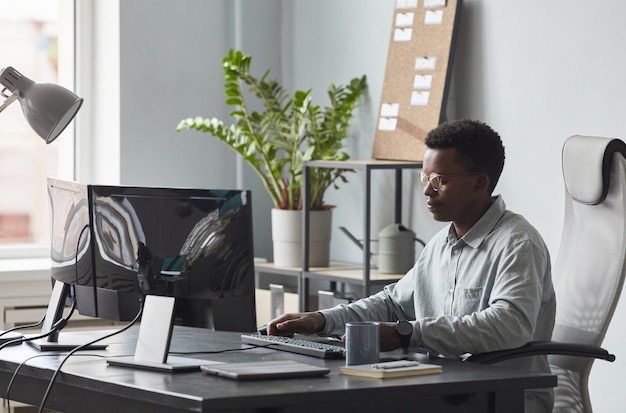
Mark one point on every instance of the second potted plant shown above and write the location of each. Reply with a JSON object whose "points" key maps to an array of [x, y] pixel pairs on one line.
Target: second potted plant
{"points": [[277, 140]]}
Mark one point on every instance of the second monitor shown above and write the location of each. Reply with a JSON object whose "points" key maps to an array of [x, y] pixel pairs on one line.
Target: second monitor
{"points": [[116, 244]]}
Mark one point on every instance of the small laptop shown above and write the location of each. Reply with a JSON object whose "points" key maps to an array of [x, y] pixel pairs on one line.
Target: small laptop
{"points": [[264, 370]]}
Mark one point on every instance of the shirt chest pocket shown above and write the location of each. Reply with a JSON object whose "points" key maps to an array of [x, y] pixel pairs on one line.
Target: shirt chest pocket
{"points": [[467, 301]]}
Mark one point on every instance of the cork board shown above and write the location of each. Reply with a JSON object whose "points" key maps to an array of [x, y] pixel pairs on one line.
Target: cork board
{"points": [[417, 76]]}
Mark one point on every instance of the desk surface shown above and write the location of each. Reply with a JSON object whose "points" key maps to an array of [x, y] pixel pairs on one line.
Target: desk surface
{"points": [[87, 383]]}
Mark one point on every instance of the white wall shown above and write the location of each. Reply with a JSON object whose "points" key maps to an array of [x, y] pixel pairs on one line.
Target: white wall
{"points": [[536, 71]]}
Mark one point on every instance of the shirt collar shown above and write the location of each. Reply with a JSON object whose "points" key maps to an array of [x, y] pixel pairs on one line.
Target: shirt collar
{"points": [[475, 236]]}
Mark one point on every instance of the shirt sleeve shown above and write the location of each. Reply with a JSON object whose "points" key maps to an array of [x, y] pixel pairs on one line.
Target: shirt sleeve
{"points": [[394, 302]]}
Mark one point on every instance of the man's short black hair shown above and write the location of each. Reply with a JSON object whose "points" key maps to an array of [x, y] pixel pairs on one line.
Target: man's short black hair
{"points": [[477, 144]]}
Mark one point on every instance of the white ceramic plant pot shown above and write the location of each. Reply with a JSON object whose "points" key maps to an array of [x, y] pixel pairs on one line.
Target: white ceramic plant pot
{"points": [[287, 237]]}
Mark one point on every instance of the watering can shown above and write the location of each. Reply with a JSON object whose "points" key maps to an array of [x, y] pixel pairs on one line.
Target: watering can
{"points": [[396, 248]]}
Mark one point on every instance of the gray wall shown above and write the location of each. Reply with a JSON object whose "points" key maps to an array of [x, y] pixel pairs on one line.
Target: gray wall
{"points": [[171, 69], [536, 71]]}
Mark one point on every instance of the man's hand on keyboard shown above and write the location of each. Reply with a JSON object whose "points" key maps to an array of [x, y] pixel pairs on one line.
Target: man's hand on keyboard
{"points": [[303, 323]]}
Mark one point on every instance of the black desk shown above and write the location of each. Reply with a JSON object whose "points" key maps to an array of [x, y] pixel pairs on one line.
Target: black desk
{"points": [[87, 384]]}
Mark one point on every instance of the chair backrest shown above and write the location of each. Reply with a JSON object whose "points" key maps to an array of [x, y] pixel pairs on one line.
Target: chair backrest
{"points": [[589, 270]]}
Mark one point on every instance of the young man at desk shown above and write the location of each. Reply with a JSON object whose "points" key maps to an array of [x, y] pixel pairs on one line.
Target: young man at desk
{"points": [[481, 284]]}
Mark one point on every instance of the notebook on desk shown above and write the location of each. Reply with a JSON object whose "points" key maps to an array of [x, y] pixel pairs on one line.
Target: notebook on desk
{"points": [[264, 370]]}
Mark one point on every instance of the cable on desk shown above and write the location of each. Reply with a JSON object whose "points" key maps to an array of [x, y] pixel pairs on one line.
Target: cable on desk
{"points": [[252, 347], [78, 348], [8, 396], [58, 326], [23, 327], [23, 363]]}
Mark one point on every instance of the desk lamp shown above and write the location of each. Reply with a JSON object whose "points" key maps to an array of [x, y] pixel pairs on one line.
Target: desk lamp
{"points": [[47, 107]]}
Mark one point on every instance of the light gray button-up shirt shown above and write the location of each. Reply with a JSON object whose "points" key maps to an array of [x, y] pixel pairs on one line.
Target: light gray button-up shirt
{"points": [[490, 290]]}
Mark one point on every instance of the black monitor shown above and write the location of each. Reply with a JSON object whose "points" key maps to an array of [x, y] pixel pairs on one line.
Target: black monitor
{"points": [[114, 245]]}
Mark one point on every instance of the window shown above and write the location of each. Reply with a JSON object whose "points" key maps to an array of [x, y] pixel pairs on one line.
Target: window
{"points": [[36, 38]]}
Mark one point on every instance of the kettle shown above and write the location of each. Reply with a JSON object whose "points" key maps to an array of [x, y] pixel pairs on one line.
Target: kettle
{"points": [[396, 249]]}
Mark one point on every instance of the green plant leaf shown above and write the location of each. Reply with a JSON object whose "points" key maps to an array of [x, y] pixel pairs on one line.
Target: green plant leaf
{"points": [[288, 131]]}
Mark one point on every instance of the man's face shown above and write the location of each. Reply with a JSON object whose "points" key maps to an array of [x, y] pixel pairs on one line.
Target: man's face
{"points": [[458, 195]]}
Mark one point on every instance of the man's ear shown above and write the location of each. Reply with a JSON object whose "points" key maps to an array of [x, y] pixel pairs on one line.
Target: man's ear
{"points": [[481, 183]]}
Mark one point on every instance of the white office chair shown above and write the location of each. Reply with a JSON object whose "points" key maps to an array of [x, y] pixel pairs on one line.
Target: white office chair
{"points": [[589, 270]]}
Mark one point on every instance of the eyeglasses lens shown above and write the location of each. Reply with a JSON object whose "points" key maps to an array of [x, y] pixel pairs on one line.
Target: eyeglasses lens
{"points": [[434, 180]]}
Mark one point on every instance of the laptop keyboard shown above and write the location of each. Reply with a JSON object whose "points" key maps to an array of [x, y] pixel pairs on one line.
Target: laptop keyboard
{"points": [[294, 345]]}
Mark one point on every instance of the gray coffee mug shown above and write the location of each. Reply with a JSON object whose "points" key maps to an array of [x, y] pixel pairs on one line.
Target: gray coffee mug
{"points": [[362, 343]]}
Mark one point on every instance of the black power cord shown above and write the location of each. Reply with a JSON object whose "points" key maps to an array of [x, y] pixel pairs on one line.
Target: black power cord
{"points": [[58, 326], [23, 327], [82, 346], [8, 396], [55, 328]]}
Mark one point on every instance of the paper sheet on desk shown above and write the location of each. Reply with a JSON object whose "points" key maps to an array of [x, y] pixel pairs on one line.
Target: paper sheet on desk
{"points": [[371, 370]]}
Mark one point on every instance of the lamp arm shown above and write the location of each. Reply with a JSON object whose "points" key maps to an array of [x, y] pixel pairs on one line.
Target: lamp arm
{"points": [[9, 99]]}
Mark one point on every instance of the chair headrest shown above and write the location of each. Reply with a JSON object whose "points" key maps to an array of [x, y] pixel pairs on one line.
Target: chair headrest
{"points": [[587, 166]]}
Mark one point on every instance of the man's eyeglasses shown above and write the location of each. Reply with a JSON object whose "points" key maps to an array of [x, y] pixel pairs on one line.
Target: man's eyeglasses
{"points": [[436, 180]]}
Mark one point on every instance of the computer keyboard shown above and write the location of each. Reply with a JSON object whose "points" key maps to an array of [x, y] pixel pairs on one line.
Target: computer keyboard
{"points": [[295, 345]]}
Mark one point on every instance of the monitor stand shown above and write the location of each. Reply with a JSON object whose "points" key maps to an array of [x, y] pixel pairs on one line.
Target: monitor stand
{"points": [[56, 341], [153, 342]]}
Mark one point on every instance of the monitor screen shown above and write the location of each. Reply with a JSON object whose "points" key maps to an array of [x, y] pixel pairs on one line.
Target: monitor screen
{"points": [[115, 244]]}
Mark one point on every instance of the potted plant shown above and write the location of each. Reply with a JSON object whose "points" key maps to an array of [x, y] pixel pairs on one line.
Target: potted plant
{"points": [[277, 140]]}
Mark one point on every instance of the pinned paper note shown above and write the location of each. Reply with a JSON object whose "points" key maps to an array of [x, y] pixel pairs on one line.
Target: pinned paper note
{"points": [[434, 3], [419, 98], [388, 124], [389, 109], [425, 63], [402, 34], [406, 4], [433, 17], [422, 81], [404, 19]]}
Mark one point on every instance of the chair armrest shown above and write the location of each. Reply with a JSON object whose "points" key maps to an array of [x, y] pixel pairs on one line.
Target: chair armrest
{"points": [[535, 348]]}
